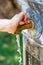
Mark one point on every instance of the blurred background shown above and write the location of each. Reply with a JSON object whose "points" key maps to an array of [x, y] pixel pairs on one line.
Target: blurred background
{"points": [[8, 8]]}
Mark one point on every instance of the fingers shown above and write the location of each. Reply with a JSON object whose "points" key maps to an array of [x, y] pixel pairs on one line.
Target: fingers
{"points": [[18, 17], [26, 19]]}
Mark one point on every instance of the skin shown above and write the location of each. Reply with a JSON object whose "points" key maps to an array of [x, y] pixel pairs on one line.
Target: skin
{"points": [[11, 25]]}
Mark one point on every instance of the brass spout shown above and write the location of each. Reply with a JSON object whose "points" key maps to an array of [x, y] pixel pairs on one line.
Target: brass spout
{"points": [[25, 26]]}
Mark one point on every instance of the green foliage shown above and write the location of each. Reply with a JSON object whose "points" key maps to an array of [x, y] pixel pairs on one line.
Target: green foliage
{"points": [[8, 49]]}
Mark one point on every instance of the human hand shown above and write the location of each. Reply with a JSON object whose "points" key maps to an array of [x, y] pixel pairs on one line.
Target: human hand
{"points": [[16, 20], [11, 25]]}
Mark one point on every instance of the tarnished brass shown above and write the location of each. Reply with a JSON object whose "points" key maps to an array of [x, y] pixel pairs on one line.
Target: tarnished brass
{"points": [[25, 26]]}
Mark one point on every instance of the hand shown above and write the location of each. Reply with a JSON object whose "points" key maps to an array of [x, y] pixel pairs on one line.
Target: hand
{"points": [[14, 22], [11, 25], [17, 19]]}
